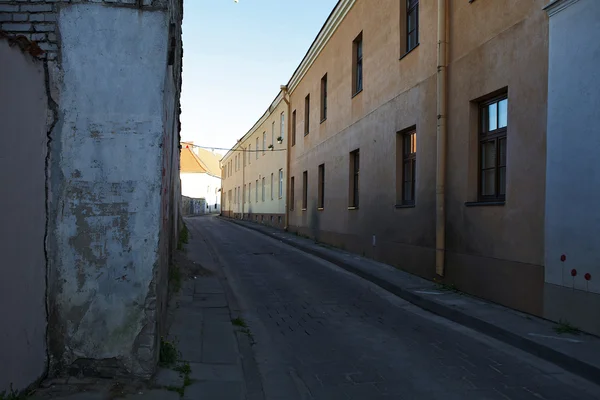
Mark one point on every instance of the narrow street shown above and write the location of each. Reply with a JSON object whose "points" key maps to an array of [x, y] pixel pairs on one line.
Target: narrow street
{"points": [[323, 333]]}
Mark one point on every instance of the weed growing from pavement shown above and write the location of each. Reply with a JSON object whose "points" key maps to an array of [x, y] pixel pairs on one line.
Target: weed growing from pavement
{"points": [[168, 353], [446, 287], [183, 237], [11, 395], [184, 370], [174, 278], [239, 322], [566, 327]]}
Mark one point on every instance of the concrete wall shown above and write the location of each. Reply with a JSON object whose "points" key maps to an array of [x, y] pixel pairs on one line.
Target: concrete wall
{"points": [[573, 171], [106, 218], [253, 164], [492, 251], [23, 144]]}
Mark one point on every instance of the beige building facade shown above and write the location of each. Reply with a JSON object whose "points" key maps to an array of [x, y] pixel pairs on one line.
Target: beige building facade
{"points": [[417, 137], [254, 170]]}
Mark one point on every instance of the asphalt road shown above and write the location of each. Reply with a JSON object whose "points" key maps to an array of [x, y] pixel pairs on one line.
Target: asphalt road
{"points": [[323, 333]]}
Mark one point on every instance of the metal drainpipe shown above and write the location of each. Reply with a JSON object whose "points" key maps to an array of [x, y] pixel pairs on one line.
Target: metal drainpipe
{"points": [[286, 96], [243, 196], [440, 195]]}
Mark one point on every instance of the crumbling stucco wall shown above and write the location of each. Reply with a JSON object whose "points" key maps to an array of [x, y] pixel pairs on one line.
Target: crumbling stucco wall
{"points": [[23, 144], [106, 188]]}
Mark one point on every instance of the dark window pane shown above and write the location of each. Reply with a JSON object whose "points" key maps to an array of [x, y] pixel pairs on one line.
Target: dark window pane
{"points": [[502, 181], [493, 116], [488, 154], [502, 145], [488, 182], [503, 113], [408, 171], [407, 196], [412, 21]]}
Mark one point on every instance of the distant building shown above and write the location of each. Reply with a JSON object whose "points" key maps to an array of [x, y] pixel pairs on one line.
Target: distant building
{"points": [[200, 177], [254, 170]]}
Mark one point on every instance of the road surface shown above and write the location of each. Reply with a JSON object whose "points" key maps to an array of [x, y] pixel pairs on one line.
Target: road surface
{"points": [[323, 333]]}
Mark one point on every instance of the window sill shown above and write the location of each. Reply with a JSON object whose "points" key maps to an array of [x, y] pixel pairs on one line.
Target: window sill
{"points": [[484, 203], [405, 205], [304, 209], [408, 52], [324, 119], [320, 208], [352, 208], [357, 93]]}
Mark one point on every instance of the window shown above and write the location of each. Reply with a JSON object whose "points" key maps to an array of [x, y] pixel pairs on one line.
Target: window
{"points": [[234, 195], [304, 189], [238, 195], [306, 114], [256, 148], [321, 194], [324, 98], [292, 193], [280, 183], [409, 166], [273, 133], [244, 195], [263, 189], [250, 193], [256, 192], [272, 186], [354, 170], [492, 149], [294, 128], [357, 64], [412, 24], [235, 163], [282, 125], [249, 154], [264, 149]]}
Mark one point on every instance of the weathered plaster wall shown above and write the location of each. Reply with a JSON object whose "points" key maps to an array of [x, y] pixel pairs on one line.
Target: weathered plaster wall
{"points": [[573, 171], [105, 221], [23, 141]]}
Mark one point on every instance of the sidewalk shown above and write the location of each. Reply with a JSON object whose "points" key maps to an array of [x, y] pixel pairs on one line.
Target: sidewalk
{"points": [[575, 353], [210, 349]]}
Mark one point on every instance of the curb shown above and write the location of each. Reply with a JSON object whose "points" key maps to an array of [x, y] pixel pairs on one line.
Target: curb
{"points": [[571, 364]]}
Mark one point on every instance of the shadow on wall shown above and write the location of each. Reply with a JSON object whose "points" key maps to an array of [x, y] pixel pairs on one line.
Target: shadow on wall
{"points": [[23, 148]]}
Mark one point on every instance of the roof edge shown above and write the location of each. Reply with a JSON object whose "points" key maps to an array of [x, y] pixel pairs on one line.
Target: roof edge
{"points": [[274, 104], [334, 20]]}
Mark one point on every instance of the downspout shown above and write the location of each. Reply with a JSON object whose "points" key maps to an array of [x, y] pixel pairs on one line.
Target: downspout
{"points": [[243, 196], [286, 98], [440, 189]]}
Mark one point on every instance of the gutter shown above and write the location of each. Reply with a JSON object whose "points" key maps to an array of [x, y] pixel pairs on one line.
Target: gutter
{"points": [[286, 98], [440, 187]]}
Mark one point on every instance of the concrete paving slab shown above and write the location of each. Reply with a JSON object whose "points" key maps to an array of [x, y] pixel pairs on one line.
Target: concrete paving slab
{"points": [[168, 377], [219, 345], [154, 395], [206, 285], [216, 372], [210, 300], [214, 390]]}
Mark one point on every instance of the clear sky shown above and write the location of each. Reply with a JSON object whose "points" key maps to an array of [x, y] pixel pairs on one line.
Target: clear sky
{"points": [[235, 57]]}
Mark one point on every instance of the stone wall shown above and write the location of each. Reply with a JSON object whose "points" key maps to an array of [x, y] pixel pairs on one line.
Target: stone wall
{"points": [[113, 75]]}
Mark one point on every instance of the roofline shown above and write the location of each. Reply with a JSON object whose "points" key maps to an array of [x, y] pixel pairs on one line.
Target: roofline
{"points": [[334, 20], [274, 104]]}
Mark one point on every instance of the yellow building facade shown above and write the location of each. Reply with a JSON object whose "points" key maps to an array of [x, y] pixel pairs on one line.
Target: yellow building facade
{"points": [[416, 137]]}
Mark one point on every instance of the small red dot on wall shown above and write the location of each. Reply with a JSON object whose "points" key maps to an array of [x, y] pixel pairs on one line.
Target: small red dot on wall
{"points": [[588, 276], [573, 272], [563, 258]]}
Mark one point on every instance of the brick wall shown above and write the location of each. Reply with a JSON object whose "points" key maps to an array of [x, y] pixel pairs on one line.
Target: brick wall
{"points": [[36, 19]]}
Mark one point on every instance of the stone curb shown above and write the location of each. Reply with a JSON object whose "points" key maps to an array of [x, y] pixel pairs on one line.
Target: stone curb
{"points": [[569, 363]]}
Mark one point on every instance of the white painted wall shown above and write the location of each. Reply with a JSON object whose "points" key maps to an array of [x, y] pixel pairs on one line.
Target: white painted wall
{"points": [[573, 146], [202, 186], [106, 185]]}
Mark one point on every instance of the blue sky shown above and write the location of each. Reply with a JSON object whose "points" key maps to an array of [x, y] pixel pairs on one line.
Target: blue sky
{"points": [[236, 55]]}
